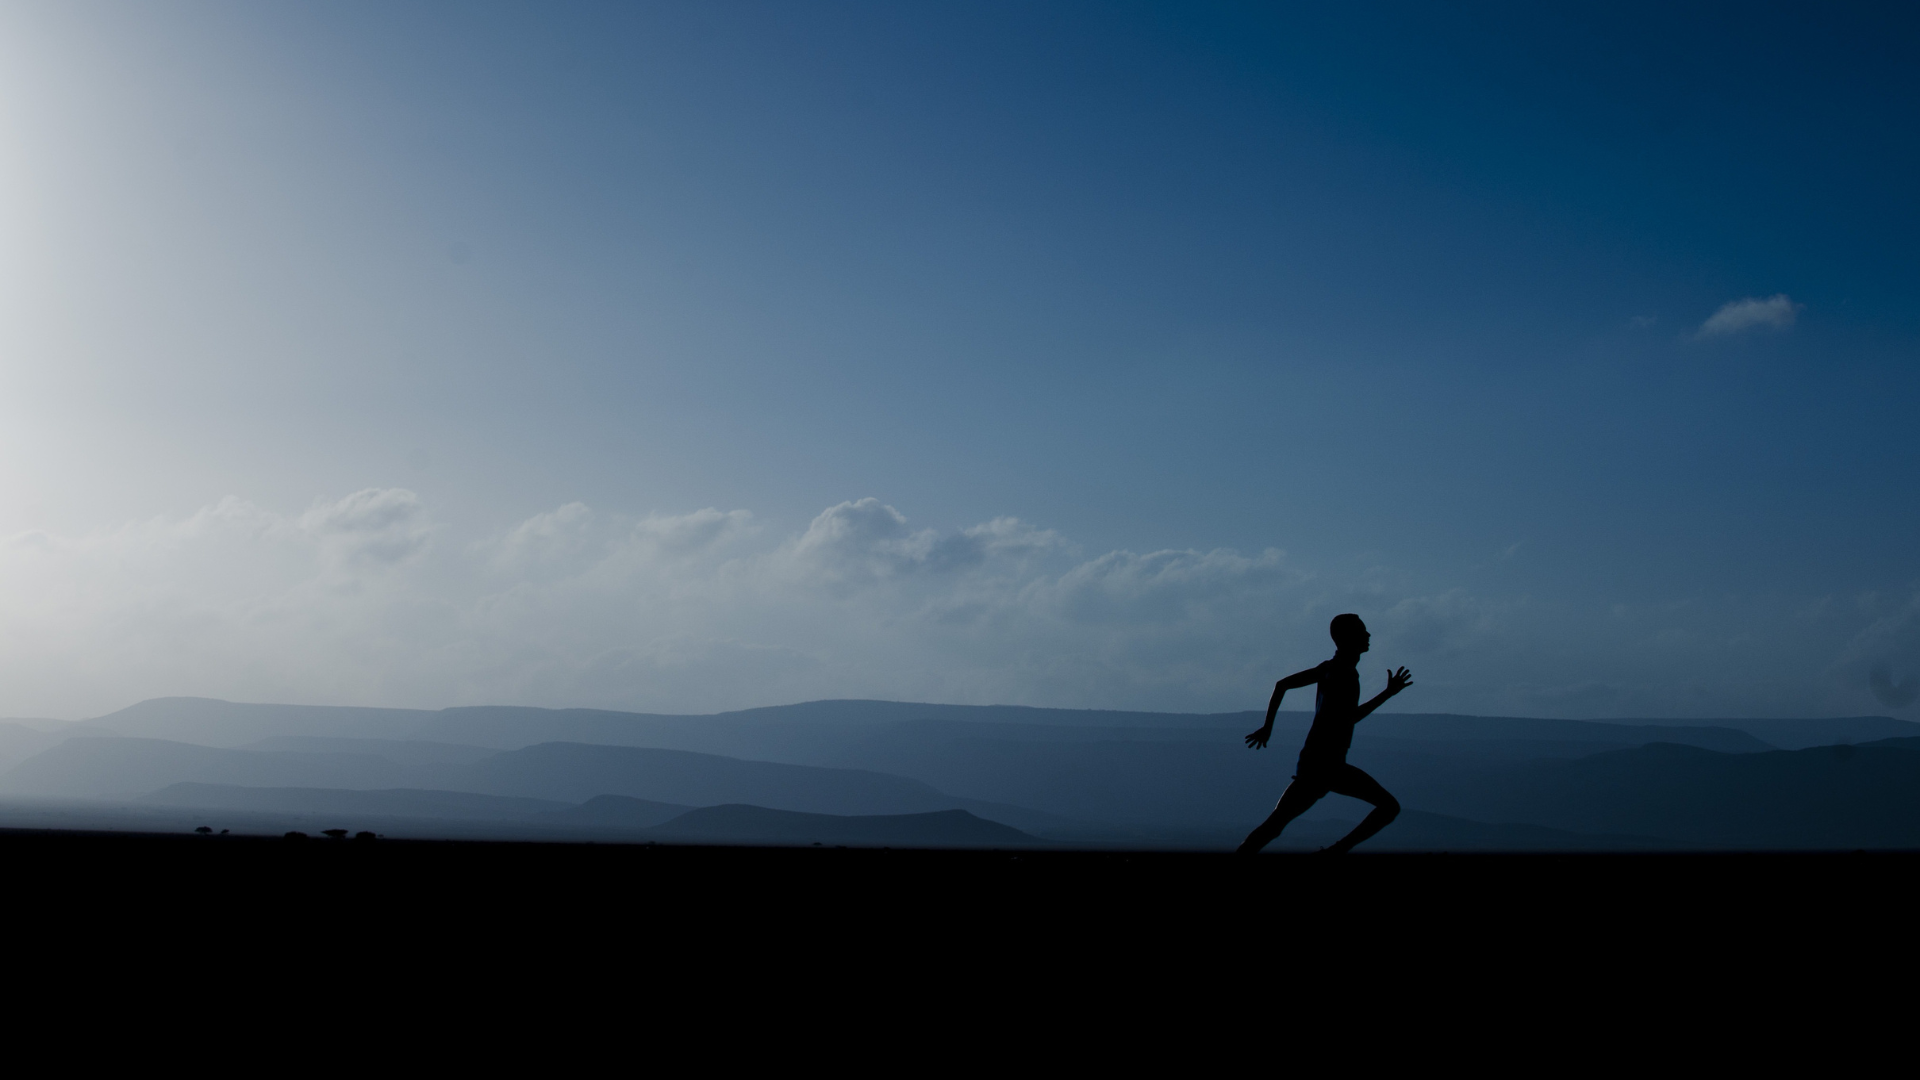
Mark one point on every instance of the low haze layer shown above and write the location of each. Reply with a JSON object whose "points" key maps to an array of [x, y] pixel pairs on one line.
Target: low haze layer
{"points": [[882, 773], [373, 600]]}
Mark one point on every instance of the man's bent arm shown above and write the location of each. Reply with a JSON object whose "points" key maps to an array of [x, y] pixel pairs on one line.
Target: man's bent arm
{"points": [[1366, 710], [1396, 682], [1292, 682]]}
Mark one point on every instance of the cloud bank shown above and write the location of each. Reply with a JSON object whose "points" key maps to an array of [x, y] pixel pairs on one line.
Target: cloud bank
{"points": [[1776, 312], [368, 599]]}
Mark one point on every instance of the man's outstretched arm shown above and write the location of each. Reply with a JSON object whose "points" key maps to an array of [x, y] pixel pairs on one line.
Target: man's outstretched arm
{"points": [[1258, 740], [1396, 682]]}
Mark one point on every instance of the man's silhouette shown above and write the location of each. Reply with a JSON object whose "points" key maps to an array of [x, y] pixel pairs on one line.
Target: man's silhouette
{"points": [[1323, 760]]}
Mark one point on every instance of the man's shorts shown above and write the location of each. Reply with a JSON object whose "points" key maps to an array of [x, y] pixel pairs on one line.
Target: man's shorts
{"points": [[1319, 779]]}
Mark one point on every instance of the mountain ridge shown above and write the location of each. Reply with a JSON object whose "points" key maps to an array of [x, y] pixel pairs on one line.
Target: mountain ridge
{"points": [[1848, 796], [1156, 775], [212, 721]]}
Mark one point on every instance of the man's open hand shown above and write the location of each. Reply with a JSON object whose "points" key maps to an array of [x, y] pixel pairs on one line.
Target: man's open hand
{"points": [[1258, 740], [1398, 681]]}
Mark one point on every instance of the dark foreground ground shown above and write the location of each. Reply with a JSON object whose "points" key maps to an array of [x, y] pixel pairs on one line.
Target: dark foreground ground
{"points": [[1270, 948]]}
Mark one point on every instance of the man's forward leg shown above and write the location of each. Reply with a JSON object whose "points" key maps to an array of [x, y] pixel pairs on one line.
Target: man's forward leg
{"points": [[1352, 782], [1296, 800]]}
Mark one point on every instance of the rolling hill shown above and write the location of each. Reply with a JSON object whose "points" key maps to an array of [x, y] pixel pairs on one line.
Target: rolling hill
{"points": [[575, 772], [382, 803], [619, 812], [1145, 778], [736, 824], [1843, 796], [126, 768]]}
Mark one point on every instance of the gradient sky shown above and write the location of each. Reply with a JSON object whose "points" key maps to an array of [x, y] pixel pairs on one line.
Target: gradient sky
{"points": [[699, 356]]}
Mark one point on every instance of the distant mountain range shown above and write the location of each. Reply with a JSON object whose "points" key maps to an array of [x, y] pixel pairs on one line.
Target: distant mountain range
{"points": [[942, 828], [1072, 776], [1855, 796], [335, 802], [639, 820]]}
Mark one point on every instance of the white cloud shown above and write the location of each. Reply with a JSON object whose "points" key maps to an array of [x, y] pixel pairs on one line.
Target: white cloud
{"points": [[543, 539], [1885, 655], [1892, 694], [685, 535], [357, 601], [1006, 535], [858, 543], [1739, 316], [378, 526], [866, 543], [1444, 625], [1165, 587]]}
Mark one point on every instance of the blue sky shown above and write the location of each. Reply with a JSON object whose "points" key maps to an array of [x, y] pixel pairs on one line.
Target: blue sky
{"points": [[440, 353]]}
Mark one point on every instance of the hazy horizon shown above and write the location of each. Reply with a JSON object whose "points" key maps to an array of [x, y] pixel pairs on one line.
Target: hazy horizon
{"points": [[690, 358]]}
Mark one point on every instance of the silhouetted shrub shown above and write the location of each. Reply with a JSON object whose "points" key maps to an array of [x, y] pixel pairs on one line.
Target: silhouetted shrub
{"points": [[205, 830], [364, 835], [295, 836], [334, 834]]}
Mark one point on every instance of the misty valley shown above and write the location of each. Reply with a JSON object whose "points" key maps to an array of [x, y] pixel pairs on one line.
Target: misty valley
{"points": [[900, 775]]}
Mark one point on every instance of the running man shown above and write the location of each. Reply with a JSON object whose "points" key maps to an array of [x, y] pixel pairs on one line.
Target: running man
{"points": [[1323, 760]]}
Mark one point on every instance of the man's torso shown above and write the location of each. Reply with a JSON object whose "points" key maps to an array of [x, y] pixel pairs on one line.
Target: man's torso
{"points": [[1335, 704]]}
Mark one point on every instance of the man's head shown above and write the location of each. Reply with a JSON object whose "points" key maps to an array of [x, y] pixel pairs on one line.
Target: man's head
{"points": [[1349, 633]]}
